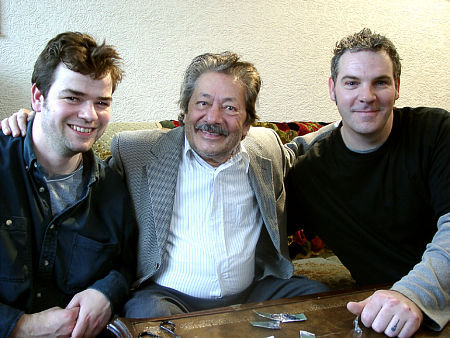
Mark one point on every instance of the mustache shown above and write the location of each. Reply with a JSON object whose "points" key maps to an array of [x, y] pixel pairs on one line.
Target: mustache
{"points": [[212, 128]]}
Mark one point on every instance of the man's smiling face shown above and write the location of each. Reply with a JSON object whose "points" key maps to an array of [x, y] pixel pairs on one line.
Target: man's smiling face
{"points": [[75, 112], [215, 121], [365, 92]]}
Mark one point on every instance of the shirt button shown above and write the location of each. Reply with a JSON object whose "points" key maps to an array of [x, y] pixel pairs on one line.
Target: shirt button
{"points": [[157, 266], [26, 167], [8, 222], [41, 189], [46, 263], [38, 295], [35, 164], [52, 226]]}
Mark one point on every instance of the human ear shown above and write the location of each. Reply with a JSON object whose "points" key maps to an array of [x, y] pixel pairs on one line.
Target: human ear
{"points": [[397, 89], [37, 99], [245, 130], [331, 89]]}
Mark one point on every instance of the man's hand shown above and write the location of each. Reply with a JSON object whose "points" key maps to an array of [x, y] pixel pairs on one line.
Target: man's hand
{"points": [[389, 312], [16, 124], [54, 322], [95, 312]]}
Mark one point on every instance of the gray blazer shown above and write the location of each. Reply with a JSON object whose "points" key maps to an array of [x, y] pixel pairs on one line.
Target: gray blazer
{"points": [[149, 161]]}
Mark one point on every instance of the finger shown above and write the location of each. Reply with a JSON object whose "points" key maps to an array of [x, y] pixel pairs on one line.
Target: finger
{"points": [[30, 113], [22, 119], [75, 310], [356, 307], [81, 325], [393, 327], [409, 328], [5, 127], [12, 121], [74, 302], [370, 312]]}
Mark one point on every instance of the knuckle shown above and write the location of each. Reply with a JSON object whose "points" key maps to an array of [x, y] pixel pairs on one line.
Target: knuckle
{"points": [[378, 328]]}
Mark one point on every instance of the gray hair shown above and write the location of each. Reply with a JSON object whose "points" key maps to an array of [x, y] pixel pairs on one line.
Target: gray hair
{"points": [[227, 63]]}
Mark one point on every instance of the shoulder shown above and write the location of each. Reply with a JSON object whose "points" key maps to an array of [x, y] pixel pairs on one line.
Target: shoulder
{"points": [[6, 140], [261, 131], [107, 177], [432, 124], [261, 137], [10, 147], [423, 115], [139, 136], [321, 154], [143, 140]]}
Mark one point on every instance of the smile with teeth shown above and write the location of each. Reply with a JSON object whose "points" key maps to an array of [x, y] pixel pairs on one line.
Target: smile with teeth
{"points": [[80, 129]]}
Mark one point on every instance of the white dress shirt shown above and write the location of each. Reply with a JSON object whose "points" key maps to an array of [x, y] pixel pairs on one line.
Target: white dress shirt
{"points": [[215, 226]]}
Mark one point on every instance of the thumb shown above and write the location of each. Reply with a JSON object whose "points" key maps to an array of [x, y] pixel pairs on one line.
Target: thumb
{"points": [[74, 302], [357, 307], [75, 310]]}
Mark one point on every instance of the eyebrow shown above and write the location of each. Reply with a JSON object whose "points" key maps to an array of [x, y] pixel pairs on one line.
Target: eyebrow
{"points": [[78, 93], [352, 77], [208, 96]]}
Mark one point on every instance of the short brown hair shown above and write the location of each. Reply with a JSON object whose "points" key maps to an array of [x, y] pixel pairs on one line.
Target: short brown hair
{"points": [[79, 53], [365, 40], [227, 63]]}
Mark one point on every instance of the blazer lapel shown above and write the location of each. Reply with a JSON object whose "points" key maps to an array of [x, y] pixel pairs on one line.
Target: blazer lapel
{"points": [[260, 172], [162, 172]]}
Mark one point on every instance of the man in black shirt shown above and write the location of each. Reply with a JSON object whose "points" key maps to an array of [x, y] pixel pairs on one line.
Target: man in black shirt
{"points": [[377, 190]]}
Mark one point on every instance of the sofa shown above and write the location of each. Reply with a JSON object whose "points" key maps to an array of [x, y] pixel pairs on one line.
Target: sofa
{"points": [[309, 255]]}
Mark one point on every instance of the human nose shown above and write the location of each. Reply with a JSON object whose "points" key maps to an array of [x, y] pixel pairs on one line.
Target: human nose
{"points": [[88, 112], [367, 94], [214, 114]]}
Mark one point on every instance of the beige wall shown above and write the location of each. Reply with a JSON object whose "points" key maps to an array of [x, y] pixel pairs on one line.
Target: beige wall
{"points": [[290, 42]]}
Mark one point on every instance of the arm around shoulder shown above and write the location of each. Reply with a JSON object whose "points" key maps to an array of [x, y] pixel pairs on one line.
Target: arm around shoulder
{"points": [[301, 144]]}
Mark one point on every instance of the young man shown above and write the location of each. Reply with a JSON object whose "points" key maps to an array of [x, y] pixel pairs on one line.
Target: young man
{"points": [[211, 195], [377, 190], [66, 227]]}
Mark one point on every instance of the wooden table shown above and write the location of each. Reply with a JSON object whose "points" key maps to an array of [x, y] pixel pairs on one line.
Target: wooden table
{"points": [[326, 314]]}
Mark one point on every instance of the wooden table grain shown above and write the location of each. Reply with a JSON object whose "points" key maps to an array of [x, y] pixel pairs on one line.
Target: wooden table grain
{"points": [[326, 314]]}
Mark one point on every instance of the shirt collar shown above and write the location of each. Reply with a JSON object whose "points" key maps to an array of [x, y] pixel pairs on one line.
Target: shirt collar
{"points": [[28, 151], [239, 153]]}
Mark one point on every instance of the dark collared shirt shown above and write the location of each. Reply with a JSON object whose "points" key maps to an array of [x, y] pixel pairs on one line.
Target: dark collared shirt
{"points": [[46, 259]]}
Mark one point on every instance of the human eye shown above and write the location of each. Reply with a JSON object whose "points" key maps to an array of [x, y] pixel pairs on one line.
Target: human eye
{"points": [[104, 104], [229, 108], [350, 83], [202, 104], [71, 99], [382, 83]]}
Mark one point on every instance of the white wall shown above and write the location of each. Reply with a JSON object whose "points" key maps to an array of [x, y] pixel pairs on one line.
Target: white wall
{"points": [[290, 42]]}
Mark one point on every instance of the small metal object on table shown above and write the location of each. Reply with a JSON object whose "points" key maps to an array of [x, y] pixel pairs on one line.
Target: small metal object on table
{"points": [[326, 315]]}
